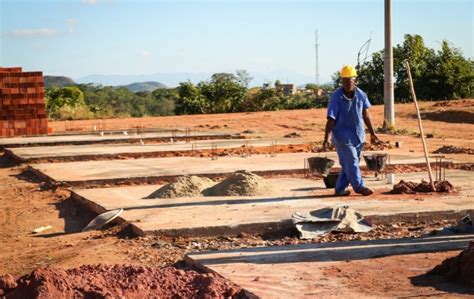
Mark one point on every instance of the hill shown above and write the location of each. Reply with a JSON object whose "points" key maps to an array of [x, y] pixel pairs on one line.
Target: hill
{"points": [[58, 81], [173, 79], [144, 86]]}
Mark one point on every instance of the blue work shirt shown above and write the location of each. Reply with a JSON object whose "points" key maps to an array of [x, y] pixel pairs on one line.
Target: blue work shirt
{"points": [[349, 125]]}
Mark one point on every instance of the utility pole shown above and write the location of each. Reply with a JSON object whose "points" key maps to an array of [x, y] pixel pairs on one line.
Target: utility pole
{"points": [[388, 94], [317, 59]]}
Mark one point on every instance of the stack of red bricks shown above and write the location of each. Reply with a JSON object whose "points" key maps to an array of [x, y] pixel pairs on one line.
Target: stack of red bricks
{"points": [[22, 105]]}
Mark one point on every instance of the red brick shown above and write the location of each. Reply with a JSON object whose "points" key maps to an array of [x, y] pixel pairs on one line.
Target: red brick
{"points": [[10, 69]]}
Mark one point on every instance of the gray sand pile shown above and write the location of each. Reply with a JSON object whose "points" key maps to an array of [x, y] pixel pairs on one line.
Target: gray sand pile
{"points": [[185, 186], [242, 183]]}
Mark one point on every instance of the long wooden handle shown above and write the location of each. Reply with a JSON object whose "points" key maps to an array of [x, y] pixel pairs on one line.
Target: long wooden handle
{"points": [[412, 89]]}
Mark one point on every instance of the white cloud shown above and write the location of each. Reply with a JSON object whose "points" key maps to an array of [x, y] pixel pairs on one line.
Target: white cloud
{"points": [[39, 32], [181, 52], [94, 2], [71, 25], [72, 22], [145, 54], [89, 2]]}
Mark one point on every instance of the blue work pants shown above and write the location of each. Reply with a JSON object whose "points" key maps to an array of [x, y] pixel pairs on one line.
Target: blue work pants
{"points": [[349, 157]]}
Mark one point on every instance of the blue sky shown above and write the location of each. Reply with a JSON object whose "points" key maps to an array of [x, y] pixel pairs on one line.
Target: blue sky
{"points": [[76, 38]]}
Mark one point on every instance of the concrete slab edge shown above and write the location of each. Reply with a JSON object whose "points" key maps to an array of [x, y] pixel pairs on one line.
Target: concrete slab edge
{"points": [[407, 246], [166, 178], [128, 140], [117, 156], [92, 206], [282, 226], [286, 225], [190, 261], [13, 157], [148, 179], [42, 176]]}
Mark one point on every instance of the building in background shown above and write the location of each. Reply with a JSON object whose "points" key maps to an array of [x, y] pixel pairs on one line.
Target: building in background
{"points": [[288, 89]]}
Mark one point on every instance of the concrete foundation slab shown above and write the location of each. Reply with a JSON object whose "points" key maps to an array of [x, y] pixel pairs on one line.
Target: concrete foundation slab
{"points": [[233, 215], [113, 151], [296, 271], [149, 170], [110, 138]]}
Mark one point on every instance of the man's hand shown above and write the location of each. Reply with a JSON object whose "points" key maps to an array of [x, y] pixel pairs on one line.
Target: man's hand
{"points": [[374, 139], [327, 132], [325, 144]]}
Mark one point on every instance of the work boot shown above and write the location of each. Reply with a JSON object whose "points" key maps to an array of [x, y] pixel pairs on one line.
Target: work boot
{"points": [[344, 192], [365, 191]]}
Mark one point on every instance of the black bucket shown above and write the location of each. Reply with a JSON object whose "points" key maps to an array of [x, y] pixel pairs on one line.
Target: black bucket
{"points": [[320, 165], [331, 179], [375, 162]]}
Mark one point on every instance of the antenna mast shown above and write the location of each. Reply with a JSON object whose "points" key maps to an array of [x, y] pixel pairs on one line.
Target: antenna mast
{"points": [[317, 59]]}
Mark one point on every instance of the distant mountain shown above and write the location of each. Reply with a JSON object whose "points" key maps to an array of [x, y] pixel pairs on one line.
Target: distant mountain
{"points": [[144, 86], [173, 79], [58, 81], [169, 79]]}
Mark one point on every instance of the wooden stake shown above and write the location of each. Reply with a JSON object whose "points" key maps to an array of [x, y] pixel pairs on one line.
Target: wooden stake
{"points": [[412, 89]]}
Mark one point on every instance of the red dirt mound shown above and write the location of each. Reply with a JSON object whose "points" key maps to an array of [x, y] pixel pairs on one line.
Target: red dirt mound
{"points": [[117, 281], [449, 149], [411, 188], [451, 116], [458, 268], [379, 146]]}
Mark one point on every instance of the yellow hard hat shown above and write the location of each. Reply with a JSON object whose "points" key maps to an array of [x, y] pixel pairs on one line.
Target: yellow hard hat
{"points": [[348, 71]]}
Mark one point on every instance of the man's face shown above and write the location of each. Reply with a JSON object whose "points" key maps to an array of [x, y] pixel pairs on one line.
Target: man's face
{"points": [[348, 84]]}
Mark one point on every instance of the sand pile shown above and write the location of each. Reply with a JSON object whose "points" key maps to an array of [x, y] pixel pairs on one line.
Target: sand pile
{"points": [[406, 187], [242, 183], [185, 186], [449, 149], [458, 268], [118, 281]]}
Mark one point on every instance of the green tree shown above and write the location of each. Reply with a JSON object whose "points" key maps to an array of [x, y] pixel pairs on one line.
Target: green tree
{"points": [[454, 74], [190, 100], [370, 78], [419, 56], [223, 92], [164, 101], [440, 75], [311, 86], [243, 78], [66, 103], [58, 97]]}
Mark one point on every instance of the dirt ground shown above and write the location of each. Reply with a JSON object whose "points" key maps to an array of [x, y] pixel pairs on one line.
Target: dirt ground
{"points": [[453, 128], [118, 281], [26, 205], [307, 123], [398, 276]]}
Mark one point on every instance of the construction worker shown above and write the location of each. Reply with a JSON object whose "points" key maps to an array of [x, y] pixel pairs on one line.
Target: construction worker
{"points": [[347, 112]]}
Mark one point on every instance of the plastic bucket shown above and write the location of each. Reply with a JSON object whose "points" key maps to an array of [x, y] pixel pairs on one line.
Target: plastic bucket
{"points": [[331, 179], [375, 162]]}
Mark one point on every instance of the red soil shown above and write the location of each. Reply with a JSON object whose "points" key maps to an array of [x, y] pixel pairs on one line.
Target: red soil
{"points": [[118, 281], [458, 268]]}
